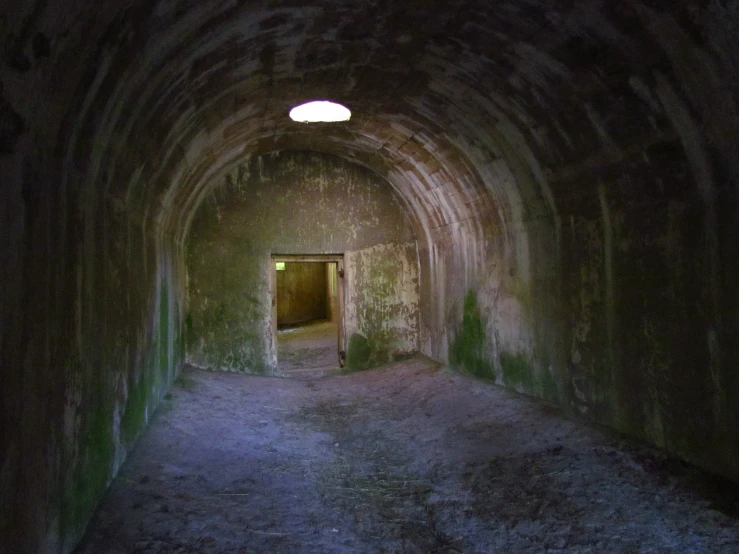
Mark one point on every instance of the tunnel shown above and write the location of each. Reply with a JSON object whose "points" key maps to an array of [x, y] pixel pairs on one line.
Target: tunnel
{"points": [[541, 195]]}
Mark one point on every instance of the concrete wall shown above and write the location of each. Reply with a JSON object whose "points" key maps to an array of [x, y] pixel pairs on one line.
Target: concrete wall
{"points": [[92, 302], [382, 293], [302, 293], [286, 203], [618, 301]]}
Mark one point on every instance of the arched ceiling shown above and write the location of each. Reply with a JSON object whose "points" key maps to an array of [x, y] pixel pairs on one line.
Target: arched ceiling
{"points": [[473, 111]]}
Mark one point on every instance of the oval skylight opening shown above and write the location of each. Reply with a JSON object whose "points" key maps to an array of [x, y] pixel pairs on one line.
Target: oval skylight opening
{"points": [[320, 111]]}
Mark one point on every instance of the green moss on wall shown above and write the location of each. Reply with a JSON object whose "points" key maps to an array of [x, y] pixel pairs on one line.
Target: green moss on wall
{"points": [[518, 371], [143, 390], [227, 330], [137, 404], [548, 386], [93, 471], [97, 448], [239, 352], [189, 331], [468, 349], [382, 312], [377, 349], [164, 332], [358, 353], [382, 344]]}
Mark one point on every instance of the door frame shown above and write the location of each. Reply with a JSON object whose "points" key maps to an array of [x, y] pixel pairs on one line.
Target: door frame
{"points": [[337, 259]]}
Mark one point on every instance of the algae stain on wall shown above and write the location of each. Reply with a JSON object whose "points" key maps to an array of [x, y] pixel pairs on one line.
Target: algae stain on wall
{"points": [[473, 351], [359, 353], [164, 337], [119, 401], [92, 470], [470, 349], [228, 310], [382, 300], [518, 372]]}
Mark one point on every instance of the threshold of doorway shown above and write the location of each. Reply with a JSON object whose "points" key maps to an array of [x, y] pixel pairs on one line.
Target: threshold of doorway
{"points": [[311, 372]]}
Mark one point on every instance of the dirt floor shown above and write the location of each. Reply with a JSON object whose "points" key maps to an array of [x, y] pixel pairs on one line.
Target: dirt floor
{"points": [[303, 350], [410, 458]]}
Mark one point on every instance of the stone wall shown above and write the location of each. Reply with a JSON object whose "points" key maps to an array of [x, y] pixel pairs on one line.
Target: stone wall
{"points": [[289, 203], [618, 304], [383, 304], [91, 341]]}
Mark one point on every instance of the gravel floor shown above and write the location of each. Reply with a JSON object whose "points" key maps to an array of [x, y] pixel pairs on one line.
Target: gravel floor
{"points": [[409, 458]]}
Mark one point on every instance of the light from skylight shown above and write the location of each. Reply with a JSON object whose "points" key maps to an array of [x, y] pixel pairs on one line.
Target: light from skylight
{"points": [[320, 111]]}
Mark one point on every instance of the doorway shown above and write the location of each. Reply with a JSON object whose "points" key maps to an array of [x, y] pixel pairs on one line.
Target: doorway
{"points": [[308, 314]]}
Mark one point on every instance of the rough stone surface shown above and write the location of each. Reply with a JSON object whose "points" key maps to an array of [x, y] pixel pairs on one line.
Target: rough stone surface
{"points": [[571, 166], [382, 304]]}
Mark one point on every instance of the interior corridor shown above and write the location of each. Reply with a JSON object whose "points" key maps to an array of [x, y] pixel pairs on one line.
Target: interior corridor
{"points": [[406, 459], [540, 196]]}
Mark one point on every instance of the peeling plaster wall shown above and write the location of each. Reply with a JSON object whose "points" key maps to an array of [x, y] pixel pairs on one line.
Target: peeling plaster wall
{"points": [[288, 203], [92, 340], [382, 295], [91, 288]]}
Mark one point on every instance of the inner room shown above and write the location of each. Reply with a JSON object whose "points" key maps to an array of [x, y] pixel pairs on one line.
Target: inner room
{"points": [[308, 316]]}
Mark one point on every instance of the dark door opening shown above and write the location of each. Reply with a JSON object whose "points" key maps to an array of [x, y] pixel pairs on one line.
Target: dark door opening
{"points": [[307, 314]]}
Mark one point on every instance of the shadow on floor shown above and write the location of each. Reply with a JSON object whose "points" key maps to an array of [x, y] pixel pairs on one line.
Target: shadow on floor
{"points": [[409, 458]]}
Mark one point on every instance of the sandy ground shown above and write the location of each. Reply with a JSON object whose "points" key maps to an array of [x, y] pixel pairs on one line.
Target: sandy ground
{"points": [[410, 458], [310, 347]]}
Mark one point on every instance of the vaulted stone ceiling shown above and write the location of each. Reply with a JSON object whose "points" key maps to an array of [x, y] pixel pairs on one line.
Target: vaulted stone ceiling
{"points": [[176, 92]]}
